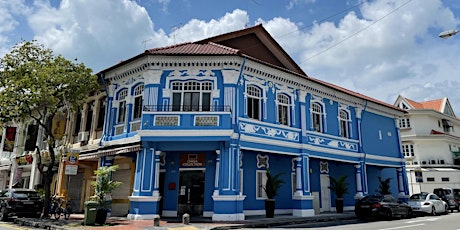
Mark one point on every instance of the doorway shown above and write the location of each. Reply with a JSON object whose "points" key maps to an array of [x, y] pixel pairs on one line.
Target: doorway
{"points": [[191, 192], [325, 193]]}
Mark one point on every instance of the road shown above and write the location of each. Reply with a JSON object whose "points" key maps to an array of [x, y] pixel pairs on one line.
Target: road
{"points": [[442, 222], [12, 226]]}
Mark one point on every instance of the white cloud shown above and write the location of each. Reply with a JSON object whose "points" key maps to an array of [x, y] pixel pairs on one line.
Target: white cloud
{"points": [[9, 11]]}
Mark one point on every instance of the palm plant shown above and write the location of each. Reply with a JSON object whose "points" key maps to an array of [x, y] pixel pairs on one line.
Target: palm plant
{"points": [[273, 184], [384, 186], [339, 186]]}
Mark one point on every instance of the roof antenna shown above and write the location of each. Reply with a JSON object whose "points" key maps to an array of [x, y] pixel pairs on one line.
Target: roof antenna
{"points": [[145, 43]]}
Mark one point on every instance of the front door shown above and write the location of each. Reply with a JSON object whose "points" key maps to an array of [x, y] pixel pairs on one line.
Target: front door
{"points": [[191, 192], [325, 193]]}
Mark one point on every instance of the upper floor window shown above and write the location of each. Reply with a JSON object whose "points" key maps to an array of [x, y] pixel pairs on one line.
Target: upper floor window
{"points": [[283, 109], [191, 96], [404, 123], [254, 96], [122, 106], [89, 115], [101, 113], [138, 92], [317, 117], [344, 120], [408, 150]]}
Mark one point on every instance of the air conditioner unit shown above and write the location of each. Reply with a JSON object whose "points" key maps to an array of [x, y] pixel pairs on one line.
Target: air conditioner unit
{"points": [[82, 136]]}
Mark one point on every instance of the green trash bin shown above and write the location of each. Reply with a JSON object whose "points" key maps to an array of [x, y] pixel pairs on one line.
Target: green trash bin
{"points": [[90, 212]]}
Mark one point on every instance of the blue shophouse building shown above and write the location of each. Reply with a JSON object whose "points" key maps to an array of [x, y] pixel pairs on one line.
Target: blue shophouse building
{"points": [[204, 120]]}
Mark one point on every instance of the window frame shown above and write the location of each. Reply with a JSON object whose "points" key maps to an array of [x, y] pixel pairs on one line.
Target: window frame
{"points": [[284, 109], [191, 95], [122, 100], [254, 102], [344, 123], [317, 117], [404, 123], [408, 150], [138, 94]]}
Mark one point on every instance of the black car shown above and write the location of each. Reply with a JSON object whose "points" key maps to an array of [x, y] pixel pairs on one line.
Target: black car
{"points": [[20, 203], [450, 195], [385, 206]]}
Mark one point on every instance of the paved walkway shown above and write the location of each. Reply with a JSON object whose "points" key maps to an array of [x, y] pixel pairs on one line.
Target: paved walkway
{"points": [[121, 223]]}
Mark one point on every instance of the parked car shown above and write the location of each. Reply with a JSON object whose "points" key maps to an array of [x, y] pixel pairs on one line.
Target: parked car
{"points": [[427, 203], [20, 202], [450, 195], [385, 206]]}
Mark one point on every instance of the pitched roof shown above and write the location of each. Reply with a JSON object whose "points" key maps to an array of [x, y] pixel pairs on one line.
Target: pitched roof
{"points": [[439, 105], [432, 104], [194, 49], [254, 43]]}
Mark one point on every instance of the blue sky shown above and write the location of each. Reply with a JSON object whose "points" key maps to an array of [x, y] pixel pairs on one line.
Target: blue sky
{"points": [[380, 48]]}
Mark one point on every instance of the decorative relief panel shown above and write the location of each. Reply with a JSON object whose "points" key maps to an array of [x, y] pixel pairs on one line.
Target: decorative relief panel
{"points": [[329, 142], [262, 161], [269, 131]]}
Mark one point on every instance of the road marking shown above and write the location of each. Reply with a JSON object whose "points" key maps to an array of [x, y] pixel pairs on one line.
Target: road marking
{"points": [[400, 227], [422, 220]]}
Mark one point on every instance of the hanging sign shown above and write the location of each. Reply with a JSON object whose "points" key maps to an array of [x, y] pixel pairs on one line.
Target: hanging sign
{"points": [[71, 163], [192, 160]]}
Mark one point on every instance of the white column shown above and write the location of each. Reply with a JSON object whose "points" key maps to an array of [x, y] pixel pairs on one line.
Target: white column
{"points": [[216, 179]]}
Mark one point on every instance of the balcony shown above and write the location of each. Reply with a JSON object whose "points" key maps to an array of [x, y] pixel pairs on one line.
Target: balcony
{"points": [[186, 117]]}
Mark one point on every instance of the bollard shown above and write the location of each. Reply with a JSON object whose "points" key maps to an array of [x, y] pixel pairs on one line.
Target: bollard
{"points": [[156, 220], [186, 218]]}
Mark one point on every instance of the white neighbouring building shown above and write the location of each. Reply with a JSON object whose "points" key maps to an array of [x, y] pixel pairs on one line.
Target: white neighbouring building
{"points": [[430, 138]]}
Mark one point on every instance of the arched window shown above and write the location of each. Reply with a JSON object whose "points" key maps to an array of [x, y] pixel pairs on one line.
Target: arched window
{"points": [[191, 96], [343, 120], [253, 102], [138, 93], [284, 110], [122, 106], [317, 117]]}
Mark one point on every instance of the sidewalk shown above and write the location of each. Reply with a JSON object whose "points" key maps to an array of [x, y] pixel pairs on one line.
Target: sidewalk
{"points": [[122, 223]]}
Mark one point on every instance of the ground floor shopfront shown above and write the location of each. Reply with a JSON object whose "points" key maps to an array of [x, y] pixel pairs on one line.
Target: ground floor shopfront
{"points": [[225, 182]]}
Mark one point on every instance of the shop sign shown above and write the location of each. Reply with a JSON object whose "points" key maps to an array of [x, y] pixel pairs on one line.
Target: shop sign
{"points": [[192, 160], [71, 163], [58, 126]]}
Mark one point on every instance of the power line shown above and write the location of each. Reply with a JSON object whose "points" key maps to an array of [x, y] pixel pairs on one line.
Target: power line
{"points": [[357, 32]]}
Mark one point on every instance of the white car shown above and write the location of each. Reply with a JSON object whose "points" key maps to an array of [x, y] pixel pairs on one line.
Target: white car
{"points": [[427, 203]]}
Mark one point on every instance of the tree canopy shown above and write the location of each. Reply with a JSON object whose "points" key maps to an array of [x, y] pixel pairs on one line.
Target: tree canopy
{"points": [[36, 85]]}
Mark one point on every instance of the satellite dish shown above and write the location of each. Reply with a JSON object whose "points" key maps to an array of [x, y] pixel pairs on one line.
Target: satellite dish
{"points": [[448, 33]]}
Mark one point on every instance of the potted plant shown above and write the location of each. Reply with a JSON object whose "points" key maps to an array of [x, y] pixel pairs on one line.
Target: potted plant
{"points": [[271, 189], [384, 186], [103, 187], [340, 187]]}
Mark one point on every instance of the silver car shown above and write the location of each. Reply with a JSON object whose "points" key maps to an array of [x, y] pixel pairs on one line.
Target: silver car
{"points": [[428, 203]]}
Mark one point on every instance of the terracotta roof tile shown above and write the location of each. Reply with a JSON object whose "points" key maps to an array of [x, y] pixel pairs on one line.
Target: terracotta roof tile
{"points": [[194, 49], [432, 104]]}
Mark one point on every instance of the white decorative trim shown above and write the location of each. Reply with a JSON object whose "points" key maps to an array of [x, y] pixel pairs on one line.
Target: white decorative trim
{"points": [[168, 213], [191, 133], [228, 217], [144, 198], [207, 213], [303, 197], [303, 212], [229, 198], [262, 212], [141, 216]]}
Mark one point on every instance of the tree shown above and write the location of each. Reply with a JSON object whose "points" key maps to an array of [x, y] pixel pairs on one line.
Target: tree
{"points": [[36, 85]]}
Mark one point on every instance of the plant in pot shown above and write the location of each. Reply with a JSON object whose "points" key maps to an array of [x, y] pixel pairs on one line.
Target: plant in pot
{"points": [[271, 187], [384, 186], [103, 187], [340, 187]]}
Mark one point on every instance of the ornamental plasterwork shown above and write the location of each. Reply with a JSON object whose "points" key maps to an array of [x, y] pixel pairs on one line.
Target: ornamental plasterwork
{"points": [[323, 167], [269, 131], [329, 142], [288, 91], [262, 161], [132, 80]]}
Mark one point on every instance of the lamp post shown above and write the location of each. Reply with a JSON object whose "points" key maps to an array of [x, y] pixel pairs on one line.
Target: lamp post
{"points": [[448, 33]]}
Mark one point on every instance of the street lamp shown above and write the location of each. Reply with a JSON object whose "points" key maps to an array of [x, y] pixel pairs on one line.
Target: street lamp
{"points": [[448, 33]]}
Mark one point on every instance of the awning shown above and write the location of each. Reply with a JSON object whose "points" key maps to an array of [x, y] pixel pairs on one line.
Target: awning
{"points": [[110, 152]]}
